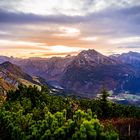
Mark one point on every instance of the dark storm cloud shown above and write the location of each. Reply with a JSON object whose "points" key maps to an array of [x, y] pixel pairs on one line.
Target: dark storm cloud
{"points": [[22, 18], [131, 14]]}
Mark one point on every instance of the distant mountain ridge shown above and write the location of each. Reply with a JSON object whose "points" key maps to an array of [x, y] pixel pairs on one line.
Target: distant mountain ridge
{"points": [[87, 72], [132, 58]]}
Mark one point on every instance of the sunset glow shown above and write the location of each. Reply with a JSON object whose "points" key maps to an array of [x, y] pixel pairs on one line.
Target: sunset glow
{"points": [[45, 28]]}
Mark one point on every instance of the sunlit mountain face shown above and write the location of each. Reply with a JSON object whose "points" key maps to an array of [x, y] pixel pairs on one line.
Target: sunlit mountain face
{"points": [[45, 28]]}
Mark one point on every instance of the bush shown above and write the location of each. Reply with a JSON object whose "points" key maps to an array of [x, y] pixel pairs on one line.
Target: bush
{"points": [[33, 115]]}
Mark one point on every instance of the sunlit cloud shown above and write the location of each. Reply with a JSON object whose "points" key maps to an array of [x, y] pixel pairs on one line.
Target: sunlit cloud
{"points": [[28, 49], [67, 32], [65, 7], [89, 38], [64, 49], [49, 7], [19, 43], [125, 40]]}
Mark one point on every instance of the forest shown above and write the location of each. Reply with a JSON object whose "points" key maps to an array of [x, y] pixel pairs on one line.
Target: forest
{"points": [[28, 113]]}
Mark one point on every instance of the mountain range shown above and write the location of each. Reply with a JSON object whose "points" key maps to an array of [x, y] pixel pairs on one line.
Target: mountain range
{"points": [[84, 74]]}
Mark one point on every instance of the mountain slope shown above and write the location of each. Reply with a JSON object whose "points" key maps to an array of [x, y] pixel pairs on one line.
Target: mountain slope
{"points": [[51, 69], [11, 76], [14, 70], [5, 58]]}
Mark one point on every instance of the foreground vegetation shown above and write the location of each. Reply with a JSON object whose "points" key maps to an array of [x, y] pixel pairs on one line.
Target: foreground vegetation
{"points": [[32, 114]]}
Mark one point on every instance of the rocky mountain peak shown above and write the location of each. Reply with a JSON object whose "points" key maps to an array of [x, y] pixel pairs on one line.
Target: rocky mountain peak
{"points": [[89, 52], [92, 57]]}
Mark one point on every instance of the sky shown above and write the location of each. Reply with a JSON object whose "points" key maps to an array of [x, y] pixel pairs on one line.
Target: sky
{"points": [[46, 28]]}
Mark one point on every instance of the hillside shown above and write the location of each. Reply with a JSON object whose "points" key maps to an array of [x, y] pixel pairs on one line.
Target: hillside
{"points": [[11, 76], [29, 113]]}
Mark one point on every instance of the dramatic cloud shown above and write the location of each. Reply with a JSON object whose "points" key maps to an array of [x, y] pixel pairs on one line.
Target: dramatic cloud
{"points": [[41, 27]]}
